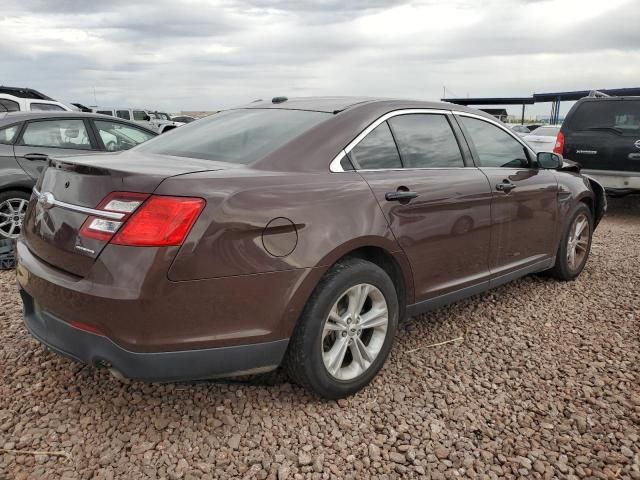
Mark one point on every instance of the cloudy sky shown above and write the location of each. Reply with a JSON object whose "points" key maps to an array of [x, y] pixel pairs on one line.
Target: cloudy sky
{"points": [[206, 55]]}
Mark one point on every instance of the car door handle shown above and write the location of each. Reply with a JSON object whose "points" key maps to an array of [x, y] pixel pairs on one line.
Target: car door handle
{"points": [[506, 186], [400, 196], [36, 156]]}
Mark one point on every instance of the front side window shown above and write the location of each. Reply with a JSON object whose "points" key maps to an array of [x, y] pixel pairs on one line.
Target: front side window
{"points": [[123, 114], [139, 115], [426, 141], [117, 137], [236, 136], [494, 146], [7, 105], [377, 150], [60, 133], [46, 107], [8, 134]]}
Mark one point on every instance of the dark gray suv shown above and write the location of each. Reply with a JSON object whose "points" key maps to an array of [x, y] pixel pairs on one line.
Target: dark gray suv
{"points": [[27, 139]]}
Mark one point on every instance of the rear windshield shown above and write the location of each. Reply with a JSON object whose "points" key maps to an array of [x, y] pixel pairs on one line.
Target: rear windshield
{"points": [[622, 116], [235, 136], [546, 131]]}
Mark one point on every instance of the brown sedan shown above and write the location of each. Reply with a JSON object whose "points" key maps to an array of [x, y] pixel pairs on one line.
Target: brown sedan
{"points": [[294, 232]]}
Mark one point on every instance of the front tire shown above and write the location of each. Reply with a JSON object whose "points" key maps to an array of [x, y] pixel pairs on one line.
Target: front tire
{"points": [[575, 244], [346, 330]]}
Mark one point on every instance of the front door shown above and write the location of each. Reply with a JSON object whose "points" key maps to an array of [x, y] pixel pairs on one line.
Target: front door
{"points": [[58, 136], [437, 208], [524, 207]]}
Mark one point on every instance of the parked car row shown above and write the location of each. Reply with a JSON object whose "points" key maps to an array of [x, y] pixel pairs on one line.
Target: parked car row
{"points": [[28, 139], [288, 232]]}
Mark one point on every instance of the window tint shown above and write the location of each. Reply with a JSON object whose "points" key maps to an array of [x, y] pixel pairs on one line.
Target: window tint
{"points": [[620, 115], [139, 115], [8, 134], [123, 114], [426, 141], [377, 150], [7, 105], [495, 147], [57, 133], [117, 137], [46, 107], [105, 112], [236, 136]]}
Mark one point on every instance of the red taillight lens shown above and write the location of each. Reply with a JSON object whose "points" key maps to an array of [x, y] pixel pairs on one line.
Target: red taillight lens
{"points": [[160, 221], [559, 147]]}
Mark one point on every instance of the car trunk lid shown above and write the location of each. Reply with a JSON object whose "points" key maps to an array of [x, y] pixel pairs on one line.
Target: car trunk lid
{"points": [[70, 188]]}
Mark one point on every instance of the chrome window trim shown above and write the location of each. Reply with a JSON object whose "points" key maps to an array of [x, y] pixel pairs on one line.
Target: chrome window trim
{"points": [[79, 209], [335, 166]]}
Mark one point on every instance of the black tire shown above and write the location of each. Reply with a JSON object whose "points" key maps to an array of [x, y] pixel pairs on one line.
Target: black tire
{"points": [[11, 195], [304, 359], [562, 270]]}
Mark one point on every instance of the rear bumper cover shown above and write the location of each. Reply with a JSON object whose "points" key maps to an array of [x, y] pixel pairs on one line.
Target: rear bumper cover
{"points": [[94, 349], [615, 180]]}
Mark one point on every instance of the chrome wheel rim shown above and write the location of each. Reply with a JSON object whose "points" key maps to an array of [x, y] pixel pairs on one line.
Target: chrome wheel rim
{"points": [[11, 216], [354, 332], [578, 242]]}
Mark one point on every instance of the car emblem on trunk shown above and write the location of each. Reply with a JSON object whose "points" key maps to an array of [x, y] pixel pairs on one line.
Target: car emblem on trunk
{"points": [[637, 144], [46, 200]]}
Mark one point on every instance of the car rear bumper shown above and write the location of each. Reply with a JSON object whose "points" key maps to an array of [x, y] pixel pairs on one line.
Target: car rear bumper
{"points": [[616, 180], [99, 350]]}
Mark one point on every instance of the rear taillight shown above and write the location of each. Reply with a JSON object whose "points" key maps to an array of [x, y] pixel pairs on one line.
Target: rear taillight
{"points": [[161, 221], [122, 203], [146, 220], [559, 146]]}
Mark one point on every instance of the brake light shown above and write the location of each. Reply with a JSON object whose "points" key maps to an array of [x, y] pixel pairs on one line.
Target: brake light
{"points": [[559, 147], [103, 228], [160, 221]]}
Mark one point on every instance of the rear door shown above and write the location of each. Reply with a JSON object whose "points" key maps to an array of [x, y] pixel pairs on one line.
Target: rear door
{"points": [[524, 205], [437, 207], [605, 135], [56, 136]]}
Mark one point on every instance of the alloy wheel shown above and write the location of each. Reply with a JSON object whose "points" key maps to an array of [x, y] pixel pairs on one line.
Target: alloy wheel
{"points": [[578, 242], [12, 213], [354, 331]]}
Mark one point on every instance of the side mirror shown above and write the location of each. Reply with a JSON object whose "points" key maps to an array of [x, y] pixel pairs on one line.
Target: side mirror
{"points": [[549, 160]]}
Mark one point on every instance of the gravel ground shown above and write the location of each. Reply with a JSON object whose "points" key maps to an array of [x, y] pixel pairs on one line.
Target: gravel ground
{"points": [[543, 384]]}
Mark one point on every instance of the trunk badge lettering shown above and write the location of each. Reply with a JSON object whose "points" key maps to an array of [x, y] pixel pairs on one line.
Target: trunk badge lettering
{"points": [[85, 250], [637, 144]]}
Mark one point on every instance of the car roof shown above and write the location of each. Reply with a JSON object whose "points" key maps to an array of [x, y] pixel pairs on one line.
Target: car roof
{"points": [[12, 117], [339, 104]]}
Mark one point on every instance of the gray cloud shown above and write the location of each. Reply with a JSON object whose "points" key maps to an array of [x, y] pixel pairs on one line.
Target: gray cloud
{"points": [[174, 54]]}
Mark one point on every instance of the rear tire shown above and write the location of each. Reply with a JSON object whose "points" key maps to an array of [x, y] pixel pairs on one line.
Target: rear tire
{"points": [[575, 244], [13, 205], [344, 334]]}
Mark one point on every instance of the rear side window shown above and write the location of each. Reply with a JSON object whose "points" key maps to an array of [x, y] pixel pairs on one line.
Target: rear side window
{"points": [[123, 114], [8, 134], [117, 136], [236, 136], [60, 133], [46, 107], [377, 150], [494, 146], [105, 112], [7, 105], [139, 115], [620, 116], [426, 141]]}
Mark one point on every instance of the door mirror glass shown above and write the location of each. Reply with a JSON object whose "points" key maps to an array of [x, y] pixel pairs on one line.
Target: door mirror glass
{"points": [[549, 160]]}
